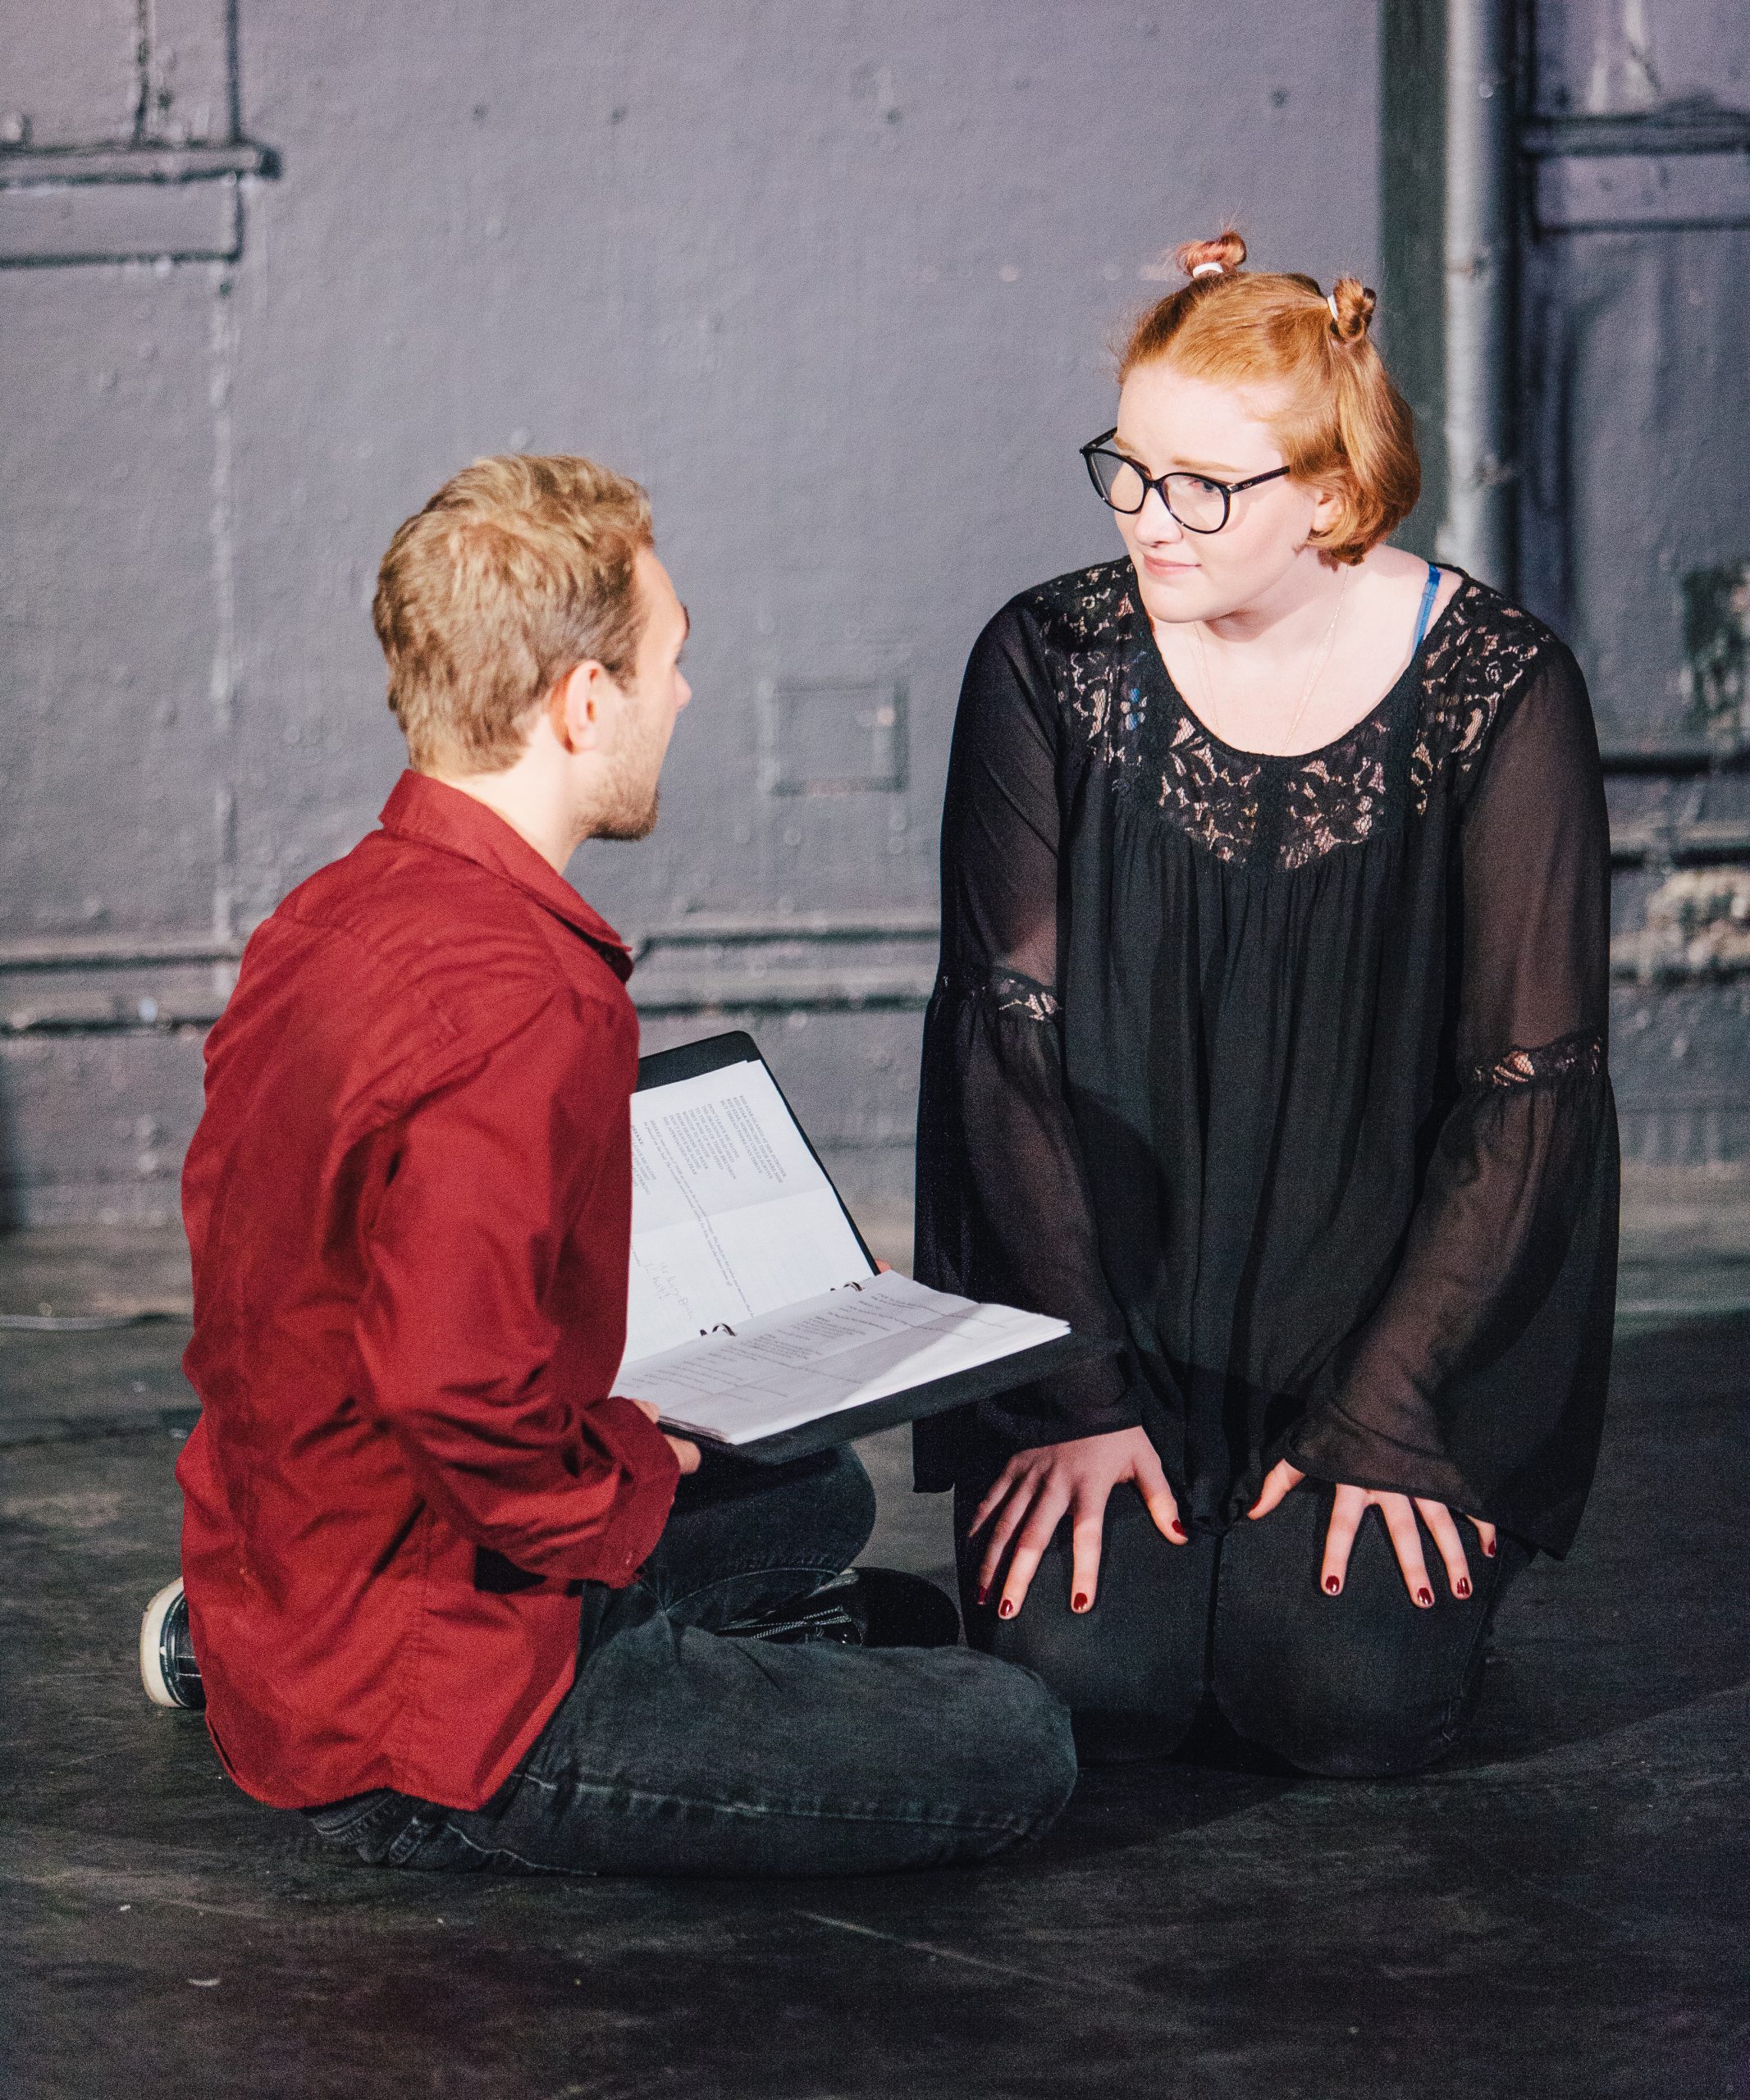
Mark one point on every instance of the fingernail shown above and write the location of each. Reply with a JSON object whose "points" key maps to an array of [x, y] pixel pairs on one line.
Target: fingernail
{"points": [[1179, 1530], [1079, 1602], [984, 1593], [1332, 1585], [1005, 1609], [1461, 1588], [1424, 1597], [1488, 1547]]}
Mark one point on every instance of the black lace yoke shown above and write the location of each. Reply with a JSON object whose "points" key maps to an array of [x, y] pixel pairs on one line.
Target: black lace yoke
{"points": [[1284, 1077]]}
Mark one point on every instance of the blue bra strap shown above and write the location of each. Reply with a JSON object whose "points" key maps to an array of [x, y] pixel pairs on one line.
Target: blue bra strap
{"points": [[1429, 591]]}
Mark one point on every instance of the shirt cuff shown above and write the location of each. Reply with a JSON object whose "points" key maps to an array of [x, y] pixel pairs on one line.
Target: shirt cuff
{"points": [[653, 1473]]}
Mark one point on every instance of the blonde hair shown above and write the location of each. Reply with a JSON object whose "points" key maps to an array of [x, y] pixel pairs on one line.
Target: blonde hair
{"points": [[1341, 423], [518, 570]]}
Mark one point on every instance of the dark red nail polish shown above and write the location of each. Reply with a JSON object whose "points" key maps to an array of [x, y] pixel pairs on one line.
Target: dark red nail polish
{"points": [[1488, 1547], [984, 1593], [1080, 1600], [1332, 1585], [1005, 1609], [1424, 1596], [1179, 1530], [1462, 1587]]}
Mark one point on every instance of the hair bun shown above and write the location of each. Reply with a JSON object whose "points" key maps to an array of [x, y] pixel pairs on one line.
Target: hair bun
{"points": [[1222, 255], [1351, 304]]}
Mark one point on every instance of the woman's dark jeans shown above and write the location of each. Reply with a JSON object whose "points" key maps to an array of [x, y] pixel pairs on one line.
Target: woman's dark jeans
{"points": [[678, 1751], [1365, 1684]]}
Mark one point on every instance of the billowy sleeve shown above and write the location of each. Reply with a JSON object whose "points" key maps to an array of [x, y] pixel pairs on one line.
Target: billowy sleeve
{"points": [[1003, 1208], [1489, 1352]]}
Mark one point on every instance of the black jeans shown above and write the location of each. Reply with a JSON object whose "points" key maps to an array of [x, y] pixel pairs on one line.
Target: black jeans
{"points": [[678, 1751], [1365, 1684]]}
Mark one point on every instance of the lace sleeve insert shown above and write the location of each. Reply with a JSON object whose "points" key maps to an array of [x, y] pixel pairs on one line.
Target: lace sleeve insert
{"points": [[1570, 1055]]}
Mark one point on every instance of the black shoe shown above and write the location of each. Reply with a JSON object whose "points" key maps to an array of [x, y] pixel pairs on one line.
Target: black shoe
{"points": [[863, 1608], [897, 1610], [168, 1667]]}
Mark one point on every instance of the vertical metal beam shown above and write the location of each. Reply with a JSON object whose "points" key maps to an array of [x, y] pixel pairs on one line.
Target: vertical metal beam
{"points": [[1478, 530], [1412, 320]]}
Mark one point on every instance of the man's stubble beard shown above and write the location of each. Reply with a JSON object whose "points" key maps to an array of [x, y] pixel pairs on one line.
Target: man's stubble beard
{"points": [[625, 821], [629, 807]]}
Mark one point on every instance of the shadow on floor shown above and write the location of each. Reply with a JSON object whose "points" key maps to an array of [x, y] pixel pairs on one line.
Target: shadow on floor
{"points": [[1560, 1910]]}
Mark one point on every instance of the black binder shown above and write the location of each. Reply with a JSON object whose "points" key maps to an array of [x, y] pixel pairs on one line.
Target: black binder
{"points": [[844, 1427]]}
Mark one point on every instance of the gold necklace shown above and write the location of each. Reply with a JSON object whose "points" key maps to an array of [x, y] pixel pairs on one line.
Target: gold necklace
{"points": [[1321, 658]]}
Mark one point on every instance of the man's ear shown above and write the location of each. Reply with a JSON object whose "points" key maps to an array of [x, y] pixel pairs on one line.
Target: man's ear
{"points": [[577, 706]]}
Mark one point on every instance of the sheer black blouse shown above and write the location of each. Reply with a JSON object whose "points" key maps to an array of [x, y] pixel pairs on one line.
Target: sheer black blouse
{"points": [[1285, 1077]]}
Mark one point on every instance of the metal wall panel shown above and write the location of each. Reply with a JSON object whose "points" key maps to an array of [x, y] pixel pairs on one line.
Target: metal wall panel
{"points": [[1635, 518], [107, 601], [69, 71], [836, 281]]}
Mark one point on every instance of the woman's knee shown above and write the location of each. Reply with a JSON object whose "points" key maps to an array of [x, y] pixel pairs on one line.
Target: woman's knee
{"points": [[1129, 1668], [1130, 1699], [1361, 1685], [1332, 1699], [1329, 1733]]}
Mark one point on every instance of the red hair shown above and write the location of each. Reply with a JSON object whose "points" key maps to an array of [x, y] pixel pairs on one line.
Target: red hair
{"points": [[1341, 423]]}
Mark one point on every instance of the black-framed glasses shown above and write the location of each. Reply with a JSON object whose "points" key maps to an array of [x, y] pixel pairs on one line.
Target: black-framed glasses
{"points": [[1201, 504]]}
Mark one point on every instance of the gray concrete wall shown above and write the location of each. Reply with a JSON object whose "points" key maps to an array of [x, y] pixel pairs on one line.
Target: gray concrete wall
{"points": [[834, 281]]}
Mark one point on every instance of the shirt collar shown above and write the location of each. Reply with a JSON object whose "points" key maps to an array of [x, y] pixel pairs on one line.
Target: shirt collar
{"points": [[436, 813]]}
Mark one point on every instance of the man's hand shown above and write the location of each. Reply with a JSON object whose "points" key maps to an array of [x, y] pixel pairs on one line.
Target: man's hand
{"points": [[1400, 1513], [686, 1455], [1034, 1490]]}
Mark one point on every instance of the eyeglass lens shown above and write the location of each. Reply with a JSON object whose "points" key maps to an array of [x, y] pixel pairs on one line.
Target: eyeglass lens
{"points": [[1197, 503]]}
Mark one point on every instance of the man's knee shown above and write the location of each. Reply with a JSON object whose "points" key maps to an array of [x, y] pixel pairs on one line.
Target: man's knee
{"points": [[847, 1498], [1013, 1748], [826, 1498]]}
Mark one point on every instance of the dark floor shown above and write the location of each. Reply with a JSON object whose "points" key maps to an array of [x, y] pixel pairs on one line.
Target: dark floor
{"points": [[1562, 1910]]}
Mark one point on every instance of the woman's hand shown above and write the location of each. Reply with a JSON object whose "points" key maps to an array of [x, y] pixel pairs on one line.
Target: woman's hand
{"points": [[1033, 1491], [1400, 1513]]}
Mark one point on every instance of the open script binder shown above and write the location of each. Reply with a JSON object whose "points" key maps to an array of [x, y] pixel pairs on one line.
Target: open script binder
{"points": [[756, 1317]]}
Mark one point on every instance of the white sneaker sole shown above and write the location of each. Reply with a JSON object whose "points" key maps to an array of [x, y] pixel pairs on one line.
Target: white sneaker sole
{"points": [[151, 1651]]}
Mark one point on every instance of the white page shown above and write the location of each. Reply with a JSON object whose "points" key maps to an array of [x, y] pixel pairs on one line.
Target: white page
{"points": [[732, 1215], [840, 1350]]}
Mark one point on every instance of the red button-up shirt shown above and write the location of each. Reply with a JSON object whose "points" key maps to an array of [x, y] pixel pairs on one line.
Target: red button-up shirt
{"points": [[409, 1203]]}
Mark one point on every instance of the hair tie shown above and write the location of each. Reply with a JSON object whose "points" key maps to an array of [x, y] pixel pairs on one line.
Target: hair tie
{"points": [[1330, 301], [1207, 270]]}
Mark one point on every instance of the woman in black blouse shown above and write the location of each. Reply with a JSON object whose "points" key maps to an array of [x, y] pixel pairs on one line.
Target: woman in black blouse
{"points": [[1268, 1051]]}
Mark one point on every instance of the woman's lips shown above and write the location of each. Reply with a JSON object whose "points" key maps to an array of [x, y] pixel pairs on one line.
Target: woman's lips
{"points": [[1156, 567]]}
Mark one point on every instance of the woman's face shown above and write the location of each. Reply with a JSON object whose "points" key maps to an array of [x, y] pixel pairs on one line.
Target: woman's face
{"points": [[1170, 423]]}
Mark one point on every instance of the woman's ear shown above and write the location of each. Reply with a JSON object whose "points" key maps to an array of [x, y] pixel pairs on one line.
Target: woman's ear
{"points": [[1326, 513]]}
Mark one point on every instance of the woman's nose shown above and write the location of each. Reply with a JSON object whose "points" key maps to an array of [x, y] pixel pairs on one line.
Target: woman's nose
{"points": [[1156, 523]]}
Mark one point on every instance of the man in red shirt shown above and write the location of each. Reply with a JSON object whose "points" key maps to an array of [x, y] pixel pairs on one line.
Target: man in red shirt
{"points": [[447, 1594]]}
